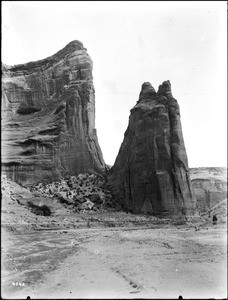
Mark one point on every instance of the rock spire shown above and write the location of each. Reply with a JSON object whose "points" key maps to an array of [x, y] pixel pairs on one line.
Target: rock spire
{"points": [[151, 173]]}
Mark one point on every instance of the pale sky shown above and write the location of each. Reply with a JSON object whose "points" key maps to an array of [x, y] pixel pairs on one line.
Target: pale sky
{"points": [[132, 42]]}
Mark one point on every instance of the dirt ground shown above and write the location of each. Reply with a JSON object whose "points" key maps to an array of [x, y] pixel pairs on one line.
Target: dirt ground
{"points": [[109, 255]]}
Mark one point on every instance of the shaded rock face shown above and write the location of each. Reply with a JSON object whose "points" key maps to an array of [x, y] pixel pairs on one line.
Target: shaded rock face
{"points": [[48, 118], [210, 186], [150, 174]]}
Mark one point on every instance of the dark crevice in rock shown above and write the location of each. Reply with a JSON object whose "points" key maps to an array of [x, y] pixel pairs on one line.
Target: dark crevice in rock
{"points": [[25, 143], [51, 131], [12, 125], [9, 164], [28, 152], [59, 108], [27, 110], [189, 183], [129, 184]]}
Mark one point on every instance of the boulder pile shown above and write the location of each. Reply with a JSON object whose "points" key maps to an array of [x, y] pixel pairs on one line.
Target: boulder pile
{"points": [[79, 192], [40, 209]]}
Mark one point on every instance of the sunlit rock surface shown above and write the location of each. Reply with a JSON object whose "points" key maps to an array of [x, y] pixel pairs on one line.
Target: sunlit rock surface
{"points": [[48, 118], [210, 186]]}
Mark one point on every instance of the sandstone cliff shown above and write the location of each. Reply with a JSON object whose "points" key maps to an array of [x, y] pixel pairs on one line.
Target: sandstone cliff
{"points": [[150, 173], [210, 186], [48, 118]]}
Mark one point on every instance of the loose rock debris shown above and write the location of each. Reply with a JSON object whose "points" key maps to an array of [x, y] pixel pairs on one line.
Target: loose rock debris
{"points": [[80, 192]]}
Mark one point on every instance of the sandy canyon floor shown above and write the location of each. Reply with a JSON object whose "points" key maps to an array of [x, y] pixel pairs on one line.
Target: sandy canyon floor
{"points": [[109, 254]]}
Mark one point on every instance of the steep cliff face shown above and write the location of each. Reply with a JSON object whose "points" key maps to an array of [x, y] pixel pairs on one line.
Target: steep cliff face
{"points": [[48, 118], [150, 173], [210, 186]]}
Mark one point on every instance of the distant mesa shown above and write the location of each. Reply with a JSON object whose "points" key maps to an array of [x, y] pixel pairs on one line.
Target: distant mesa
{"points": [[210, 186], [151, 174], [48, 118]]}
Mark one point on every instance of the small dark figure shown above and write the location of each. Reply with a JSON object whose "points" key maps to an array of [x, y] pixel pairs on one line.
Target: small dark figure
{"points": [[214, 220]]}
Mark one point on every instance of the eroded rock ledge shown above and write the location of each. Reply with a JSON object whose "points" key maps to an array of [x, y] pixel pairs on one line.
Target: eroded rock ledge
{"points": [[210, 186], [151, 173], [48, 118]]}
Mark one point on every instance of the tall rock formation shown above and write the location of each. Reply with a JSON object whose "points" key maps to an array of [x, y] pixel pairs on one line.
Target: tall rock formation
{"points": [[48, 118], [150, 173]]}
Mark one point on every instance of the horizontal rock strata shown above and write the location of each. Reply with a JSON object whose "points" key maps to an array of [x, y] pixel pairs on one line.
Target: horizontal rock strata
{"points": [[210, 186], [48, 112], [150, 174]]}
